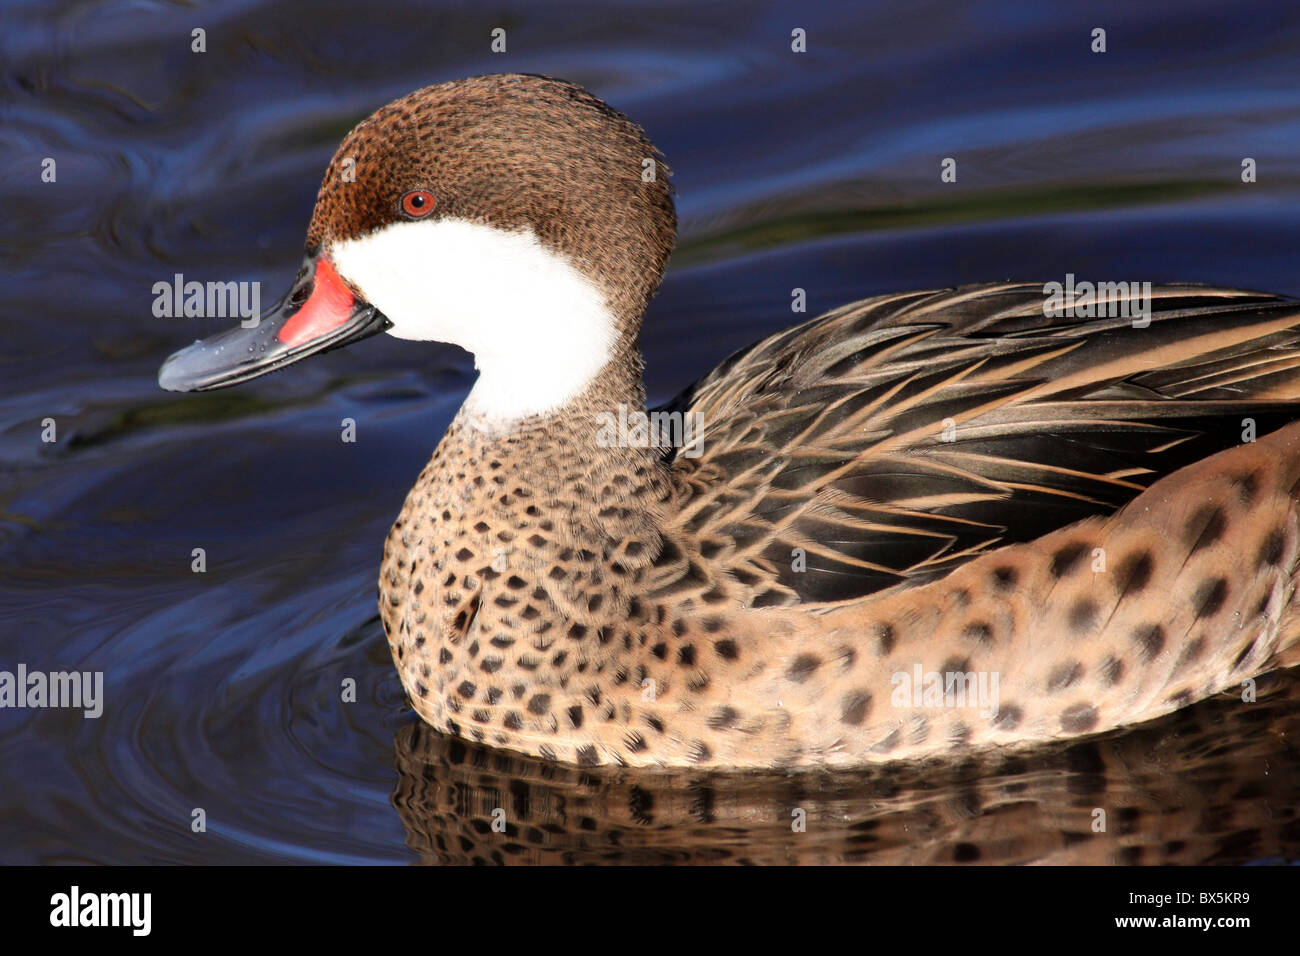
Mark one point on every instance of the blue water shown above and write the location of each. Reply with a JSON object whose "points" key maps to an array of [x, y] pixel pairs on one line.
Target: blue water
{"points": [[817, 170]]}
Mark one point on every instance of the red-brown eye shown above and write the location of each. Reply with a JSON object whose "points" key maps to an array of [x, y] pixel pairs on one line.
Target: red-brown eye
{"points": [[417, 204]]}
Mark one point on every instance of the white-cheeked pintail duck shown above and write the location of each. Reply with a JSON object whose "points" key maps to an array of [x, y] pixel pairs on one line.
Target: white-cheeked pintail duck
{"points": [[919, 524]]}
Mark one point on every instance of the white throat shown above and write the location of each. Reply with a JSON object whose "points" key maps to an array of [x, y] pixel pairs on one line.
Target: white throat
{"points": [[539, 329]]}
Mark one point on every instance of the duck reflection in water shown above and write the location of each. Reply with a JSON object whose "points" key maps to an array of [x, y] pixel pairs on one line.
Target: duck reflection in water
{"points": [[1214, 783]]}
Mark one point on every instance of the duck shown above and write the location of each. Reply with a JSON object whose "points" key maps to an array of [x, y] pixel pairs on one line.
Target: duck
{"points": [[922, 525]]}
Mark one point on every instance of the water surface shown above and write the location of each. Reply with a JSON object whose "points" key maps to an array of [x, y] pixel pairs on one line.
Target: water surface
{"points": [[816, 171]]}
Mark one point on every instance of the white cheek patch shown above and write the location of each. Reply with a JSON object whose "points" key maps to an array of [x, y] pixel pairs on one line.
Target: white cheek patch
{"points": [[539, 329]]}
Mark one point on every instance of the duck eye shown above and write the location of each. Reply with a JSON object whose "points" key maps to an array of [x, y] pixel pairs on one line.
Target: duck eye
{"points": [[417, 204]]}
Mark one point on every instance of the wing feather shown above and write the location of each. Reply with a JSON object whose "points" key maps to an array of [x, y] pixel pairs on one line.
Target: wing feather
{"points": [[894, 438]]}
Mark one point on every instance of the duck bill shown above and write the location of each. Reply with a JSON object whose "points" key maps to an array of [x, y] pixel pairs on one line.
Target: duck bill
{"points": [[319, 313]]}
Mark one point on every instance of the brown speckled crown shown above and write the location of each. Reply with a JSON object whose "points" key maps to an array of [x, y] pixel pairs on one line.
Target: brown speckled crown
{"points": [[514, 151]]}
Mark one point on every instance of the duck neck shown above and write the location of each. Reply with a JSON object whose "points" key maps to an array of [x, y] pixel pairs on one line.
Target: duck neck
{"points": [[521, 554], [589, 469], [558, 344]]}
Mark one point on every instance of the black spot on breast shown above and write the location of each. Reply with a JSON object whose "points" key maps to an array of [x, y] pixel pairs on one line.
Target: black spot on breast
{"points": [[700, 752], [1245, 653], [1150, 639], [723, 717], [1112, 669], [1078, 718], [1004, 578], [1190, 653], [1210, 597], [1066, 559], [1083, 615], [1134, 572], [726, 649], [803, 667], [575, 715], [854, 708], [955, 665], [978, 632], [539, 704], [1246, 486], [686, 656], [465, 618], [586, 756], [466, 689], [885, 639], [1063, 676], [1270, 551], [1205, 527]]}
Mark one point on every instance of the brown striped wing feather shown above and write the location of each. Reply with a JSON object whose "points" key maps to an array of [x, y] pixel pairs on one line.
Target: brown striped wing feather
{"points": [[830, 436]]}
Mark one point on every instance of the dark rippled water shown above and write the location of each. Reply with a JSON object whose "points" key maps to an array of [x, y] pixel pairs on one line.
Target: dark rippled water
{"points": [[817, 171]]}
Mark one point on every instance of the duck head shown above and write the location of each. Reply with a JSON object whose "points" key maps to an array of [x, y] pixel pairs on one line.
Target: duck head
{"points": [[516, 216]]}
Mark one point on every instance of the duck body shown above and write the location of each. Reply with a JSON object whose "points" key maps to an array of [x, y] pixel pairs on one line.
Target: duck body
{"points": [[603, 605], [920, 524]]}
